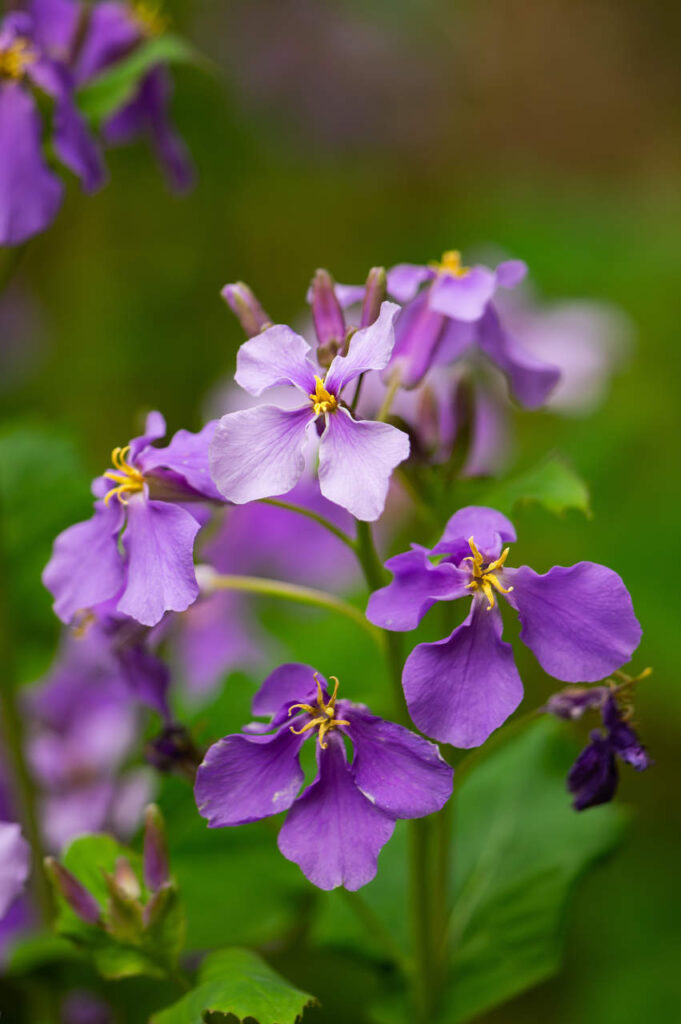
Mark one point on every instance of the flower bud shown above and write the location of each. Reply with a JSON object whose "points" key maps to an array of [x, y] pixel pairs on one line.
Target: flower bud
{"points": [[246, 308], [126, 879], [572, 702], [374, 295], [328, 316], [82, 902], [156, 867], [173, 750]]}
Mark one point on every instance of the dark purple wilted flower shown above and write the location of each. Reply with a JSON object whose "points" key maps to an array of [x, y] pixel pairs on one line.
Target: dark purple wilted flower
{"points": [[258, 452], [336, 828], [578, 621], [138, 546], [15, 862], [453, 314], [94, 38], [30, 192]]}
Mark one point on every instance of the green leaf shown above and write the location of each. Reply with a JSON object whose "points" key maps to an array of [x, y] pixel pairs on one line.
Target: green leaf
{"points": [[552, 483], [116, 85], [238, 982]]}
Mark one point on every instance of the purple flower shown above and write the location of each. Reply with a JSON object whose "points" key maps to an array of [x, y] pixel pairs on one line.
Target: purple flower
{"points": [[258, 452], [578, 621], [337, 826], [30, 192], [15, 862], [453, 314], [138, 546]]}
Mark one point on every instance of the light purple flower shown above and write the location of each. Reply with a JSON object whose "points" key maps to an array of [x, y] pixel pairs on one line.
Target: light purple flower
{"points": [[138, 546], [258, 452], [15, 861], [30, 192], [337, 826], [453, 314], [578, 621]]}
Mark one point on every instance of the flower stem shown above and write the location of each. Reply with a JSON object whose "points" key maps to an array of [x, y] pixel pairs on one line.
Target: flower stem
{"points": [[299, 595], [326, 523], [375, 926], [391, 391]]}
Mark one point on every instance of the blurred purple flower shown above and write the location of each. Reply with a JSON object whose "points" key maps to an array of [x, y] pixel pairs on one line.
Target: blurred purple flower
{"points": [[15, 862], [336, 828], [578, 621], [258, 452], [30, 192], [138, 547], [81, 1007]]}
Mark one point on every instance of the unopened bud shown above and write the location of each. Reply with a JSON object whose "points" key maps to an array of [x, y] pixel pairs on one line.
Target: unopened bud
{"points": [[374, 295], [126, 879], [156, 866], [246, 308], [82, 902], [328, 316]]}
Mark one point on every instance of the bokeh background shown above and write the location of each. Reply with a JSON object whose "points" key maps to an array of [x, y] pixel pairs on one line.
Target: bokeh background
{"points": [[347, 134]]}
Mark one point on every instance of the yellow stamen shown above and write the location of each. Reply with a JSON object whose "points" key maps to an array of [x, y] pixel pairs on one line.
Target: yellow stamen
{"points": [[15, 59], [128, 479], [323, 715], [149, 17], [484, 576], [322, 399], [450, 264]]}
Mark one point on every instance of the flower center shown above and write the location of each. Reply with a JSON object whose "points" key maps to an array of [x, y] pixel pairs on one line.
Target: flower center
{"points": [[323, 715], [128, 480], [149, 17], [483, 576], [450, 264], [15, 59], [322, 399]]}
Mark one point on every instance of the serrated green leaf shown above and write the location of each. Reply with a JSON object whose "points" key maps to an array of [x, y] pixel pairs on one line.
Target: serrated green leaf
{"points": [[552, 483], [238, 982], [116, 86]]}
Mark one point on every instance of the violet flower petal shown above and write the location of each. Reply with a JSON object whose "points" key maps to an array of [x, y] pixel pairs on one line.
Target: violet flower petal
{"points": [[578, 621], [292, 683], [15, 858], [154, 430], [333, 832], [530, 379], [489, 528], [258, 452], [593, 778], [465, 297], [246, 778], [418, 334], [159, 540], [405, 279], [510, 273], [370, 349], [398, 771], [187, 455], [356, 460], [459, 690], [274, 357], [416, 587]]}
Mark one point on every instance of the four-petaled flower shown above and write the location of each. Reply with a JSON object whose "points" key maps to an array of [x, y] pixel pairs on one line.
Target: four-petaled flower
{"points": [[337, 826], [137, 550], [578, 621], [258, 452]]}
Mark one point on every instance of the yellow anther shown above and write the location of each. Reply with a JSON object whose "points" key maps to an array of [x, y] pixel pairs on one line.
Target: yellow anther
{"points": [[16, 58], [323, 715], [322, 399], [484, 576], [450, 264], [127, 478], [150, 17]]}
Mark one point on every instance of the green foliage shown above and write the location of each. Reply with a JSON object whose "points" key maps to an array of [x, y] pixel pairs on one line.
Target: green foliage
{"points": [[240, 983], [117, 85], [552, 483]]}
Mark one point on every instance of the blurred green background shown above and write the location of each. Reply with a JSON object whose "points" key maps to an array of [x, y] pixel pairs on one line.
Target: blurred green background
{"points": [[348, 134]]}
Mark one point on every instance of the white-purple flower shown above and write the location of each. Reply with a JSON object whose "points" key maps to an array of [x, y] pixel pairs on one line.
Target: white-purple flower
{"points": [[337, 826], [453, 314], [578, 621], [259, 452], [138, 546], [15, 862]]}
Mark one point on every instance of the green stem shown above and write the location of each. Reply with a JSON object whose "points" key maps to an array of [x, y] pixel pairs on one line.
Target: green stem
{"points": [[355, 397], [300, 595], [392, 389], [309, 514], [375, 926]]}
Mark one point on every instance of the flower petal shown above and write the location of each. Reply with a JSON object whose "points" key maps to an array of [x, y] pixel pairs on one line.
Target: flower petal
{"points": [[531, 380], [593, 778], [187, 455], [274, 357], [369, 349], [398, 771], [510, 273], [418, 334], [74, 145], [417, 586], [246, 778], [489, 529], [463, 298], [333, 832], [292, 683], [258, 452], [579, 621], [86, 567], [459, 690], [159, 540], [405, 279], [15, 857], [356, 460]]}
